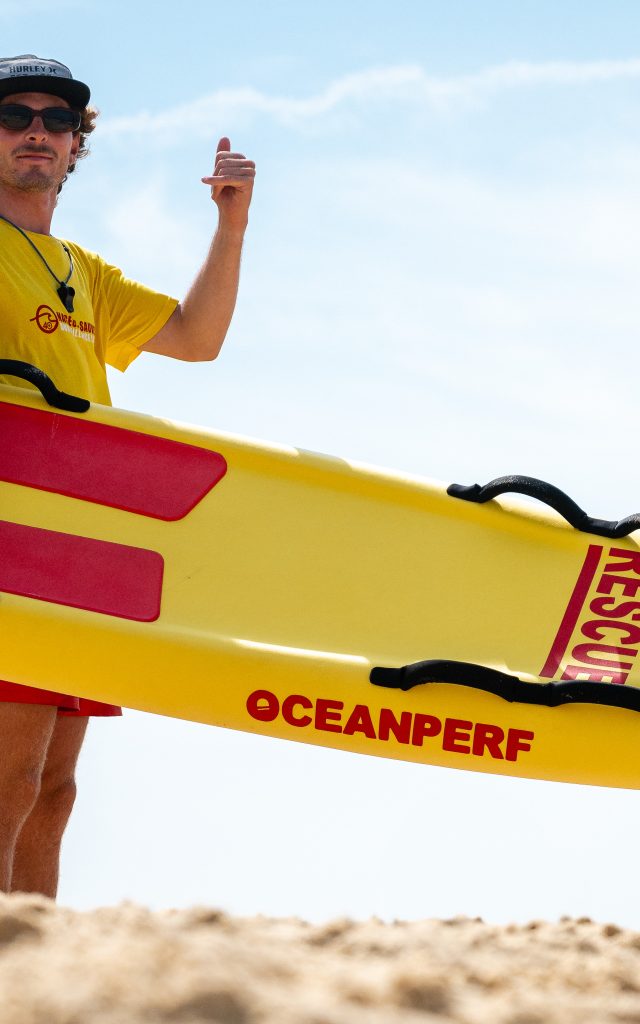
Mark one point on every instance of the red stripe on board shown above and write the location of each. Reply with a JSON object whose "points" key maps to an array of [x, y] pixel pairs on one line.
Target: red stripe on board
{"points": [[95, 575], [151, 476], [570, 618]]}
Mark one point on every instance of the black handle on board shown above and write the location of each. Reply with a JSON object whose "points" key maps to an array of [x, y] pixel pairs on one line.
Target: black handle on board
{"points": [[44, 384], [510, 688], [551, 496]]}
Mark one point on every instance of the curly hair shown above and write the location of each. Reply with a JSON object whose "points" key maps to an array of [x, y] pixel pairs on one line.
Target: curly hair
{"points": [[87, 125]]}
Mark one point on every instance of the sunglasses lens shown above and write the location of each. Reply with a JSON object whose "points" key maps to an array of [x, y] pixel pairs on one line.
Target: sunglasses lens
{"points": [[61, 120], [15, 118]]}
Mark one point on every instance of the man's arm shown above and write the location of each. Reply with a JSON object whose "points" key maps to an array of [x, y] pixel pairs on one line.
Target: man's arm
{"points": [[197, 328]]}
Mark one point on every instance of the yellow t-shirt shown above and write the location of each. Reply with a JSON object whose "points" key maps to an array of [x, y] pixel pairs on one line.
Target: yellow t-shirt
{"points": [[112, 318]]}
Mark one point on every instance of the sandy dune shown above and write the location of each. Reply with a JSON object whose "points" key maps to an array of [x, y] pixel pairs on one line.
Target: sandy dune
{"points": [[126, 965]]}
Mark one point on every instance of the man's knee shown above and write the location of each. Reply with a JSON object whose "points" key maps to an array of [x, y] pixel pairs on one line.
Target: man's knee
{"points": [[19, 792], [55, 801]]}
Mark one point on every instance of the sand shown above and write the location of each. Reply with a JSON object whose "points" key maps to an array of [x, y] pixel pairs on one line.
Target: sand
{"points": [[127, 964]]}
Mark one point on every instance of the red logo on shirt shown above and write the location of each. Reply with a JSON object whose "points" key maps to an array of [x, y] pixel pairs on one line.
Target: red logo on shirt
{"points": [[46, 319]]}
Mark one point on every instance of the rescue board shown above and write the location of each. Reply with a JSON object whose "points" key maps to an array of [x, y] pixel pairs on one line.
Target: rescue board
{"points": [[277, 591]]}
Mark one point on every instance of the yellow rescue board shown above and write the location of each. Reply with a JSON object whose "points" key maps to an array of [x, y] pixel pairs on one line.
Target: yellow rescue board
{"points": [[262, 588]]}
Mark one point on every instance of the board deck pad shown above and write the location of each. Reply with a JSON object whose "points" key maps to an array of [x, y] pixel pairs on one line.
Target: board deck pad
{"points": [[151, 476], [98, 576]]}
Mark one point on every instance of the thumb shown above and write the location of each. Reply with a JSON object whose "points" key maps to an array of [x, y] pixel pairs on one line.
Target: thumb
{"points": [[224, 145]]}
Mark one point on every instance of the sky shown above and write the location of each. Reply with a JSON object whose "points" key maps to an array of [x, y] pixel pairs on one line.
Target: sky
{"points": [[440, 276]]}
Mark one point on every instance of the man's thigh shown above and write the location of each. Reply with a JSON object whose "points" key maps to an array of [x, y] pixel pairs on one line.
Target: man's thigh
{"points": [[26, 731]]}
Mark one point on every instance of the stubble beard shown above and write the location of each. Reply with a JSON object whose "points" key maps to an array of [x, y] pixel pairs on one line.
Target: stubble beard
{"points": [[34, 180]]}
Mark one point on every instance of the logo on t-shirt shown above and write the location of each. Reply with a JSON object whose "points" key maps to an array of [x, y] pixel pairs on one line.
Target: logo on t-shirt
{"points": [[48, 321]]}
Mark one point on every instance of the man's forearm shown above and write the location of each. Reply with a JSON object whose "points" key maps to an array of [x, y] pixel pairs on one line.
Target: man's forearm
{"points": [[206, 311], [197, 328]]}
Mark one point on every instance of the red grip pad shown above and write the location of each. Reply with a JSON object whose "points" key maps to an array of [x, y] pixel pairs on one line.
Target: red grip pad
{"points": [[151, 476], [95, 575]]}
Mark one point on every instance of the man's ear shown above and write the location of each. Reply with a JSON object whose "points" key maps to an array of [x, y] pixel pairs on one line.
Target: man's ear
{"points": [[75, 146]]}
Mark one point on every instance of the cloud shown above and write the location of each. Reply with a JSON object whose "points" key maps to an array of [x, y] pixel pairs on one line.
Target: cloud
{"points": [[410, 84]]}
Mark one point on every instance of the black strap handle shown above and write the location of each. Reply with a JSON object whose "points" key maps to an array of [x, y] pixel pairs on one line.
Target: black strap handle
{"points": [[58, 399], [510, 688], [551, 496]]}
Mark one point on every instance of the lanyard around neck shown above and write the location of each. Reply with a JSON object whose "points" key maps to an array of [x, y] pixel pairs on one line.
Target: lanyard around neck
{"points": [[64, 290]]}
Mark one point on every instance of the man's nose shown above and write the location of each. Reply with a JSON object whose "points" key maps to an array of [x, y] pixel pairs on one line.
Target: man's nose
{"points": [[37, 128]]}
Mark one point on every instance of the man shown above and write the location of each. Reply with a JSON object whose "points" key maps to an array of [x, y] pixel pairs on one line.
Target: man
{"points": [[45, 120]]}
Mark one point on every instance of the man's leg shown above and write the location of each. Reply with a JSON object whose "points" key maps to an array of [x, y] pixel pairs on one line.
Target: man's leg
{"points": [[36, 861], [25, 734]]}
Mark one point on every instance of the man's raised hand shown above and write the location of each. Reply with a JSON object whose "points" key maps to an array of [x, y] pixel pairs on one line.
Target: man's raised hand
{"points": [[231, 184]]}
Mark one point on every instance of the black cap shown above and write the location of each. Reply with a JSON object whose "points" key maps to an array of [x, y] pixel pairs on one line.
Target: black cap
{"points": [[28, 73]]}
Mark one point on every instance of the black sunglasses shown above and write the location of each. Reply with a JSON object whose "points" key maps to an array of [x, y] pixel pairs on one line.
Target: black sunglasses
{"points": [[15, 118]]}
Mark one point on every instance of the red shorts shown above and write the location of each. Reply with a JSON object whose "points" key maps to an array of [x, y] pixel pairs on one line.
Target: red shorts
{"points": [[13, 693]]}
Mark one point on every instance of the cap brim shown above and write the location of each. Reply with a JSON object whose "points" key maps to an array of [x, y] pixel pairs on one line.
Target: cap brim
{"points": [[76, 93]]}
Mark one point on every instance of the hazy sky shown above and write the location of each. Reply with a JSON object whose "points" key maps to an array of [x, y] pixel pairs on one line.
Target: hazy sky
{"points": [[440, 275]]}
